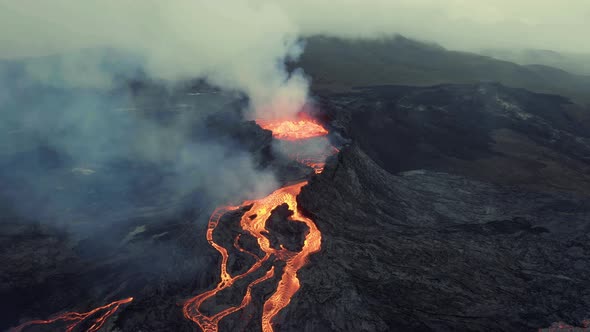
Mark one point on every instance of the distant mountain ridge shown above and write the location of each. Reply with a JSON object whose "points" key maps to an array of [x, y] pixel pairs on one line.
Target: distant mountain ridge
{"points": [[339, 64], [573, 63]]}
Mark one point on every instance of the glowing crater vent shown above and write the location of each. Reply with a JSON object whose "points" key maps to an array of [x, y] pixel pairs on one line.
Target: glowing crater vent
{"points": [[292, 130]]}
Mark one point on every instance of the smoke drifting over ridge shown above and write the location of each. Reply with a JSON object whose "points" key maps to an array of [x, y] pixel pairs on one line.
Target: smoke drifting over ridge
{"points": [[242, 44], [456, 24]]}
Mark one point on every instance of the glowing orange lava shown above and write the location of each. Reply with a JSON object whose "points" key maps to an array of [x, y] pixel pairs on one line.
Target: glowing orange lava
{"points": [[253, 221], [293, 130], [74, 319]]}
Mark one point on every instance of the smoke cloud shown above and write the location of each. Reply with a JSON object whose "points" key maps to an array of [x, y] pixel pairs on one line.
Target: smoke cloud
{"points": [[237, 45]]}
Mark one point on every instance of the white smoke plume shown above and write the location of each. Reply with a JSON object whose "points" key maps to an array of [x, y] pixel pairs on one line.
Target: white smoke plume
{"points": [[234, 44]]}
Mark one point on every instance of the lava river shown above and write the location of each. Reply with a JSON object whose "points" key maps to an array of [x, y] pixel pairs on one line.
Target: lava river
{"points": [[253, 222]]}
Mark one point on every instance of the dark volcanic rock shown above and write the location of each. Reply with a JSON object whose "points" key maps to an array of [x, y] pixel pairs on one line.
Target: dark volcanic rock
{"points": [[426, 250], [458, 207], [483, 131], [284, 232]]}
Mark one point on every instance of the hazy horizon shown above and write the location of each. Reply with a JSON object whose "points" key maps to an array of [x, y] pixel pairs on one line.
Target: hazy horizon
{"points": [[33, 28]]}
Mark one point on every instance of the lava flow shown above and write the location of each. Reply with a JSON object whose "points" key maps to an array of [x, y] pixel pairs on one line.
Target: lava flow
{"points": [[73, 319], [253, 222], [302, 128]]}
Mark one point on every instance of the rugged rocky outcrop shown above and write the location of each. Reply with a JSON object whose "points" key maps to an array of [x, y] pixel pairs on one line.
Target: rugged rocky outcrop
{"points": [[455, 208], [424, 250], [483, 131]]}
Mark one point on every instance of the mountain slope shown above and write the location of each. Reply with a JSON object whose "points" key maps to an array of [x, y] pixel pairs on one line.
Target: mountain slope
{"points": [[574, 63], [485, 131], [454, 208], [339, 64]]}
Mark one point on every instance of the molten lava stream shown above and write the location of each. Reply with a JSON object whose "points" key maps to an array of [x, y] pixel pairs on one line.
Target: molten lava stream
{"points": [[253, 221], [76, 319]]}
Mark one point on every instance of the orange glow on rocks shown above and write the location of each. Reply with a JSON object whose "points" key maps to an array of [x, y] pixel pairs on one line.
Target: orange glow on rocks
{"points": [[315, 160]]}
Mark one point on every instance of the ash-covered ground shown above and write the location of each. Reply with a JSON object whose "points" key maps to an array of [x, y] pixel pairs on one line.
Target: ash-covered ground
{"points": [[454, 207]]}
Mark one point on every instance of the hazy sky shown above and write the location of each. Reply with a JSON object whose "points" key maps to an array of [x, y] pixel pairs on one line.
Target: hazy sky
{"points": [[242, 44], [467, 24], [32, 27]]}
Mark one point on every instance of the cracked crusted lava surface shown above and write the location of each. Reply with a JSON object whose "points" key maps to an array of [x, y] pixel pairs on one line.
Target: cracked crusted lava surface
{"points": [[455, 207]]}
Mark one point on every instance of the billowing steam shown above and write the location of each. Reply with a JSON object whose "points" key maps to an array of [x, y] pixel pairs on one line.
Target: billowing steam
{"points": [[237, 44], [75, 148]]}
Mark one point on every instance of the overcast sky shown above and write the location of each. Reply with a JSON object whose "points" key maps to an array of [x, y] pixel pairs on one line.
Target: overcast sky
{"points": [[561, 25], [33, 27]]}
